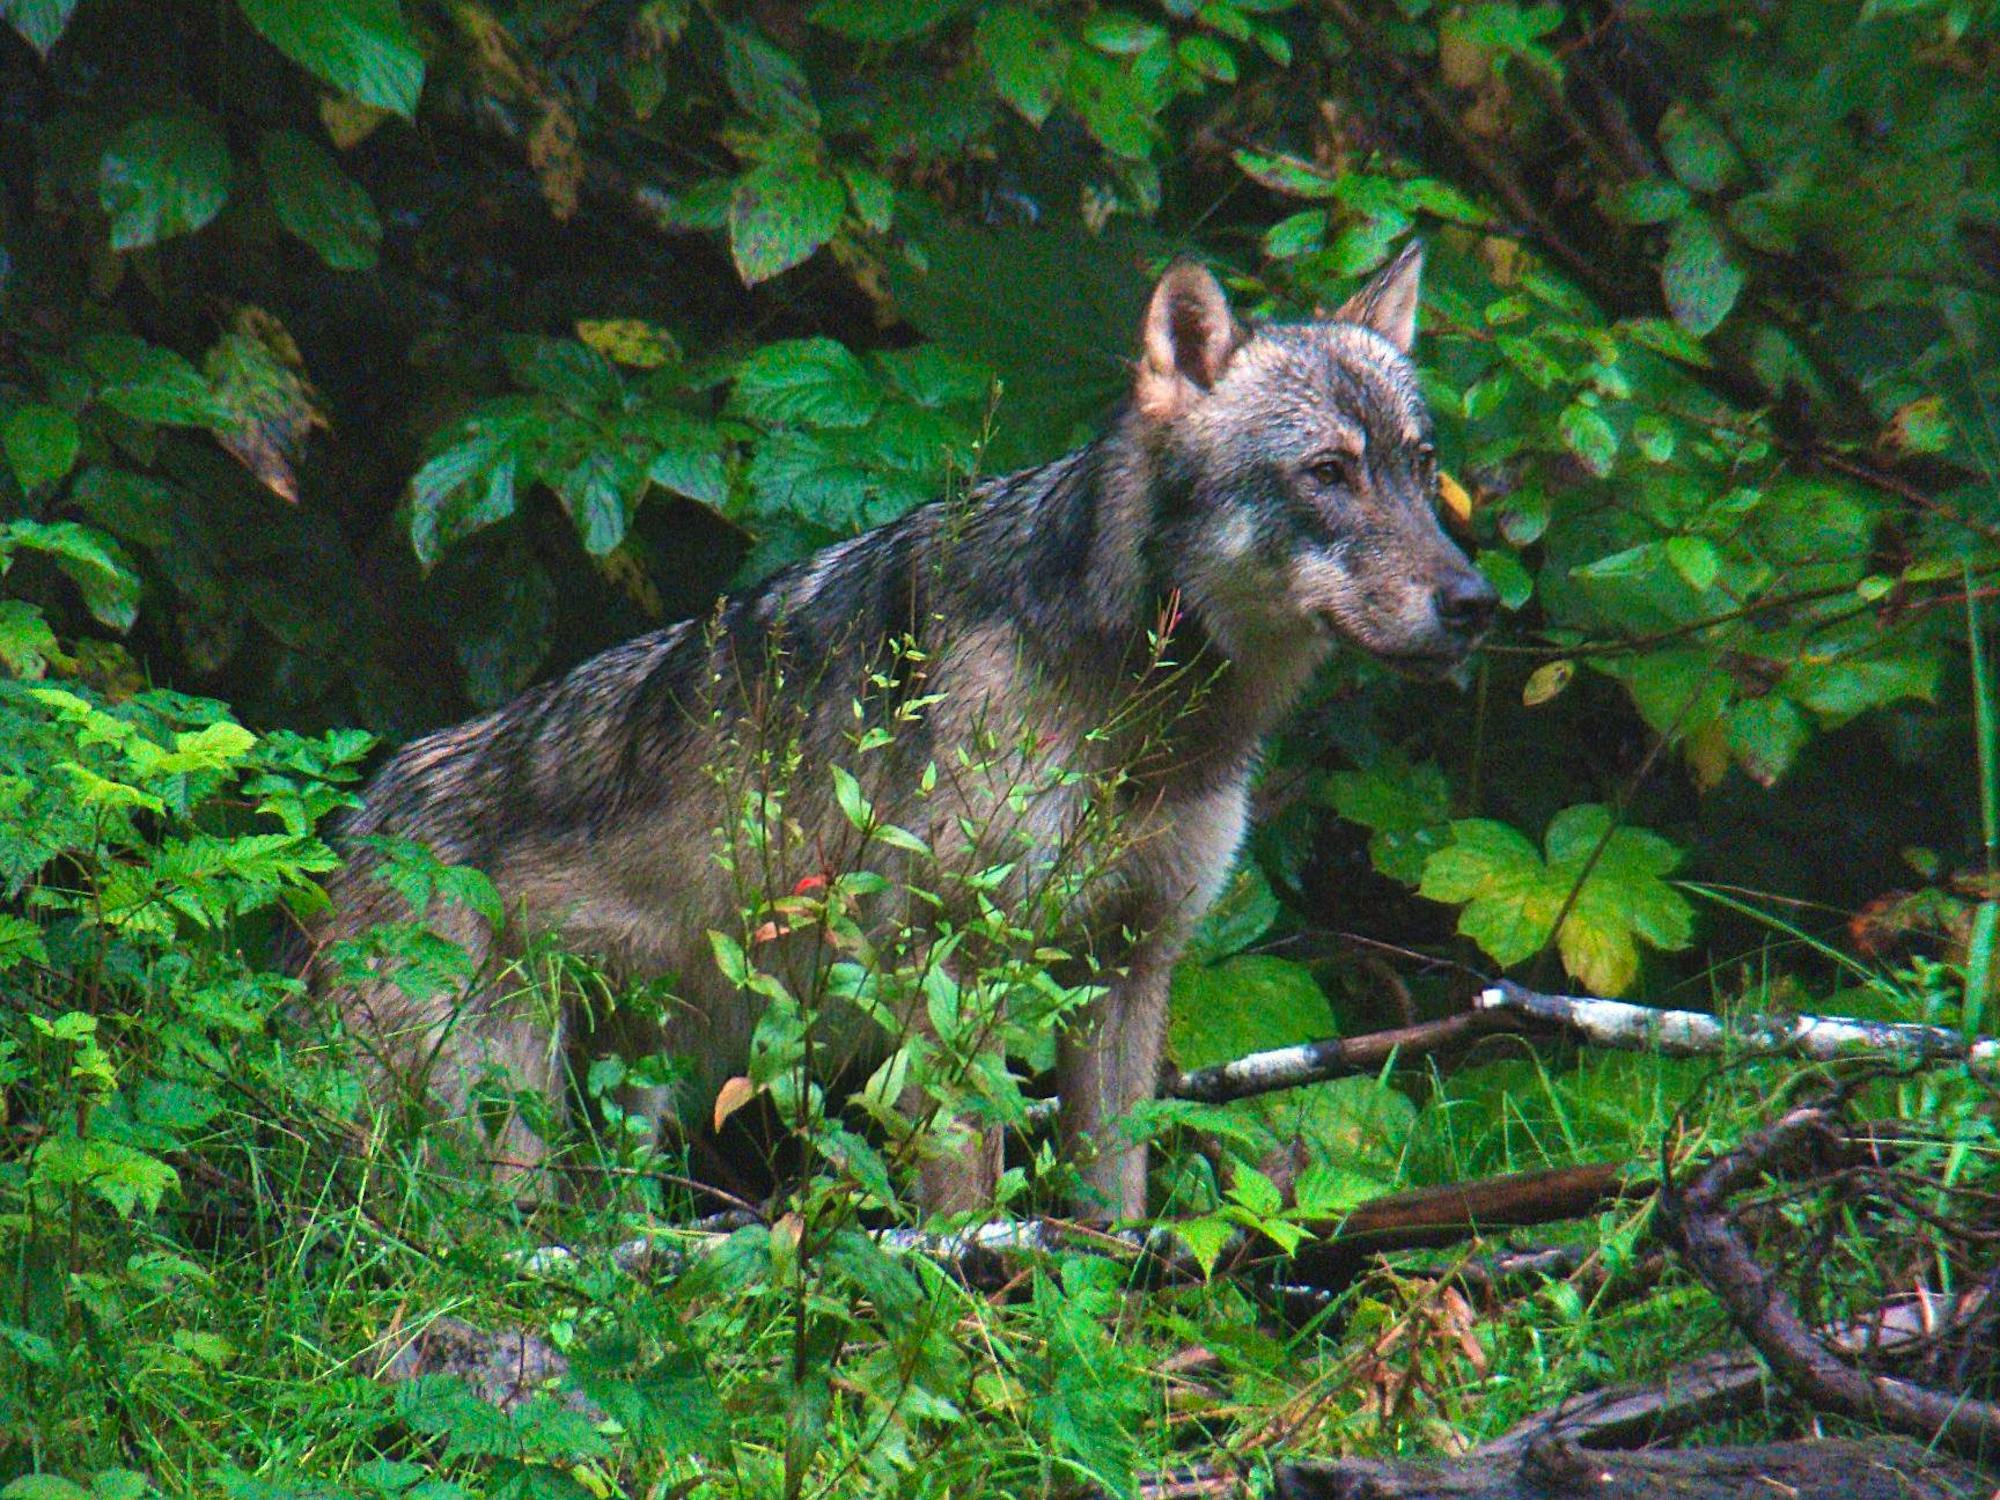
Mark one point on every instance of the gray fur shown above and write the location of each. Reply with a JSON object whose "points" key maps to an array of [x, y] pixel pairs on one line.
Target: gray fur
{"points": [[1269, 491]]}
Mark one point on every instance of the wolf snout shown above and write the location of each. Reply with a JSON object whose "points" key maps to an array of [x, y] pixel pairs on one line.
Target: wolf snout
{"points": [[1465, 603]]}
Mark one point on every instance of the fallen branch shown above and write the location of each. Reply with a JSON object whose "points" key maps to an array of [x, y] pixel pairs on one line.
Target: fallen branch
{"points": [[1698, 1222], [1832, 1469], [1689, 1033], [1335, 1057]]}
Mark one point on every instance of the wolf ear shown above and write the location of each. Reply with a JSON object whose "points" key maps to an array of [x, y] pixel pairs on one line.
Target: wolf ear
{"points": [[1189, 337], [1388, 304]]}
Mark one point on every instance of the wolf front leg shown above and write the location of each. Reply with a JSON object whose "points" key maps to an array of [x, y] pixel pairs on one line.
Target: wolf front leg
{"points": [[1109, 1062]]}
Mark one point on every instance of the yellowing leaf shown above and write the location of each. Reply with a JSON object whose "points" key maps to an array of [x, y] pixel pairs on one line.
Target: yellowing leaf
{"points": [[629, 341], [1546, 681], [732, 1096], [348, 121], [1455, 497]]}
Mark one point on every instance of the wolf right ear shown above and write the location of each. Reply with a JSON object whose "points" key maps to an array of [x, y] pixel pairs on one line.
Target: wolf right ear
{"points": [[1388, 304], [1189, 337]]}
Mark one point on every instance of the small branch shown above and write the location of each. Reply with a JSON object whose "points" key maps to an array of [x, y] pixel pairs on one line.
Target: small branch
{"points": [[1334, 1057], [1688, 1033], [1698, 1221], [1631, 1415]]}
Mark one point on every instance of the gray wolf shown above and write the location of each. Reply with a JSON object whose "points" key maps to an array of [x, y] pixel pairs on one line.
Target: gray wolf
{"points": [[1266, 493]]}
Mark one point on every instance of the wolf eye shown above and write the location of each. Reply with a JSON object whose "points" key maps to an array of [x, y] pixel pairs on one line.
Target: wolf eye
{"points": [[1334, 470]]}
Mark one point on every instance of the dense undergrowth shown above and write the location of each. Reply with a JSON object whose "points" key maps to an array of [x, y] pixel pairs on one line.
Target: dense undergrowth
{"points": [[364, 361]]}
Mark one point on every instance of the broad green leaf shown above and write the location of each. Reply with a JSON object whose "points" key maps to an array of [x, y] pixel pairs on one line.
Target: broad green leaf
{"points": [[687, 455], [780, 213], [1765, 735], [1407, 807], [1699, 276], [1504, 571], [1027, 56], [766, 81], [41, 443], [1242, 914], [27, 644], [1295, 235], [1243, 1004], [92, 561], [318, 202], [600, 492], [1840, 688], [364, 48], [1695, 559], [933, 377], [44, 1487], [163, 175], [1696, 148], [467, 484], [1512, 896], [40, 22], [1586, 434], [1111, 109], [148, 383], [815, 381]]}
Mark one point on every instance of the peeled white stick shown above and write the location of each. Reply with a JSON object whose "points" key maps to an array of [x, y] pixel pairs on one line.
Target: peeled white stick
{"points": [[1689, 1033]]}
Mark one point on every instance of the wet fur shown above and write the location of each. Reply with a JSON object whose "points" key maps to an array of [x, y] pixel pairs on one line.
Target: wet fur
{"points": [[593, 801]]}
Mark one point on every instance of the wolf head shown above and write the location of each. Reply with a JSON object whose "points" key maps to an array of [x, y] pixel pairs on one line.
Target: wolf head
{"points": [[1297, 475]]}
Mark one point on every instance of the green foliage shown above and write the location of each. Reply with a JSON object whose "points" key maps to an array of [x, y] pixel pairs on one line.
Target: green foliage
{"points": [[1602, 882]]}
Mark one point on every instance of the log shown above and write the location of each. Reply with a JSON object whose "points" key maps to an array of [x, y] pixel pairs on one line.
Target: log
{"points": [[1828, 1469]]}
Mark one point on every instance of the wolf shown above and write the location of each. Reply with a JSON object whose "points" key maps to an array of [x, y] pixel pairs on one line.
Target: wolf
{"points": [[1264, 494]]}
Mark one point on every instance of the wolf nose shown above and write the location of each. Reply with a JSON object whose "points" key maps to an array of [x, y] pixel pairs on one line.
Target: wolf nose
{"points": [[1465, 602]]}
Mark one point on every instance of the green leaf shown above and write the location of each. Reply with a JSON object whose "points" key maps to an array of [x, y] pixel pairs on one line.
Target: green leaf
{"points": [[1695, 559], [364, 48], [780, 213], [766, 81], [92, 561], [1110, 107], [1504, 571], [600, 492], [687, 457], [1654, 200], [1697, 150], [1700, 278], [44, 1487], [27, 644], [1243, 913], [1243, 1004], [1765, 735], [1297, 234], [1512, 895], [883, 20], [163, 175], [318, 202], [815, 381], [1408, 807], [1586, 434], [1027, 56], [1207, 58], [40, 22], [42, 444], [148, 383], [1120, 34]]}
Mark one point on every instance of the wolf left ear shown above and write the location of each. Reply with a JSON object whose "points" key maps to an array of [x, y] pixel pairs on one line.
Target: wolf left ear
{"points": [[1189, 337], [1388, 304]]}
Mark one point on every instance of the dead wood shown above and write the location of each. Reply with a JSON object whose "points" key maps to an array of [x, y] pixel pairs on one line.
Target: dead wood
{"points": [[1551, 1469], [1699, 1223]]}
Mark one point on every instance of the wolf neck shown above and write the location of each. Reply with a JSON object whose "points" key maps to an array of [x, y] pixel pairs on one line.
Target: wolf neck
{"points": [[1076, 556]]}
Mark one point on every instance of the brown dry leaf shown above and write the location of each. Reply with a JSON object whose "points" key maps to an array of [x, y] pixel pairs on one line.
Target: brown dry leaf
{"points": [[555, 149], [732, 1096], [1707, 752], [625, 571], [786, 1234], [258, 375], [1503, 258], [629, 341]]}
